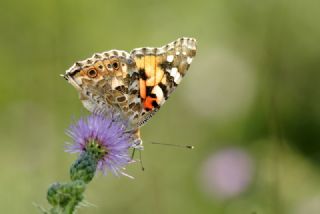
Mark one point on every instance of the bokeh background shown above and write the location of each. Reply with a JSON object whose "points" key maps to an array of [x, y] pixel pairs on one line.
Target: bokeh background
{"points": [[250, 105]]}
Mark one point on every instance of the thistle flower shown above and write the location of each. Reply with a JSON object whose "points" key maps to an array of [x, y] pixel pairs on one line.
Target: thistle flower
{"points": [[103, 138]]}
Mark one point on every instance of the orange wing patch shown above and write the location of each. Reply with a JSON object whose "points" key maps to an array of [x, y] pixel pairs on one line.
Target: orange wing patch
{"points": [[150, 69], [142, 84], [150, 75], [148, 103]]}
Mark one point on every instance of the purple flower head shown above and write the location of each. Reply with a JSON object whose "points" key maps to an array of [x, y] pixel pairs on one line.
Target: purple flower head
{"points": [[107, 135]]}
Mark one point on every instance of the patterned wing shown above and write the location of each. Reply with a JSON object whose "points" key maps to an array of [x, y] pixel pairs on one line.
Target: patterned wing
{"points": [[160, 71], [136, 85], [106, 80]]}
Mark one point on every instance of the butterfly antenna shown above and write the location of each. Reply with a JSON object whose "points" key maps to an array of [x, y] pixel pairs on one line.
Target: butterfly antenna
{"points": [[133, 151], [140, 158], [64, 76], [174, 145]]}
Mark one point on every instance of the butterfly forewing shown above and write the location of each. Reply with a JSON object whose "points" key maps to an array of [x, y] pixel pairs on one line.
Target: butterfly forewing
{"points": [[160, 72]]}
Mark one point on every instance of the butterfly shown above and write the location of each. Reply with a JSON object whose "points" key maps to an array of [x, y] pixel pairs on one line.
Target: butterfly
{"points": [[135, 84]]}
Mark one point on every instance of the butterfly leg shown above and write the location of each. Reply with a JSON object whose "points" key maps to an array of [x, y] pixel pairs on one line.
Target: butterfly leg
{"points": [[137, 145], [137, 142]]}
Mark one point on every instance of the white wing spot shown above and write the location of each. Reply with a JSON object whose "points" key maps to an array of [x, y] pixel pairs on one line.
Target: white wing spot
{"points": [[189, 60], [173, 71], [177, 78], [158, 92], [170, 58]]}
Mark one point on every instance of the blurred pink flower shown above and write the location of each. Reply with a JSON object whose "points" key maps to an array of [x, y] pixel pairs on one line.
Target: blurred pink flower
{"points": [[227, 173]]}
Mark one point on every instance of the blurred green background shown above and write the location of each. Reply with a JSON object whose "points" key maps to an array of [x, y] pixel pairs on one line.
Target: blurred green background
{"points": [[253, 88]]}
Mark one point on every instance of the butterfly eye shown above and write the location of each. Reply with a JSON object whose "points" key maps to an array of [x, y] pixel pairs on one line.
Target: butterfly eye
{"points": [[115, 65], [92, 73]]}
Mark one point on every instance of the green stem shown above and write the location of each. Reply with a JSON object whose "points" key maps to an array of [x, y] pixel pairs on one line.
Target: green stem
{"points": [[65, 197]]}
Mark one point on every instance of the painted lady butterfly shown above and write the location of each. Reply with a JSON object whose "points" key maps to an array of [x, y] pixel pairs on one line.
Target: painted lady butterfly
{"points": [[135, 84]]}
